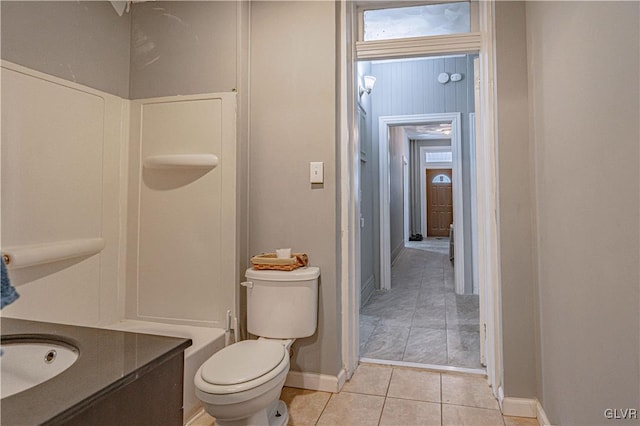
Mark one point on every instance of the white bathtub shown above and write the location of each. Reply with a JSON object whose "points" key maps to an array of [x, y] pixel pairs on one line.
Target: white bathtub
{"points": [[206, 342]]}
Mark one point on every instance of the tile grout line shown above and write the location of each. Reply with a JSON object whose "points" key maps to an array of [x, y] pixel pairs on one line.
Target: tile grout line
{"points": [[386, 393], [323, 409], [441, 404], [446, 323]]}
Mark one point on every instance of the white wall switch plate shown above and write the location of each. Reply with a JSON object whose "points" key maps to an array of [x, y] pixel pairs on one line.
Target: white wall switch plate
{"points": [[316, 172]]}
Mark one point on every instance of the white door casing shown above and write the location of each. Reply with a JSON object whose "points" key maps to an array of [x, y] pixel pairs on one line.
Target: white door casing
{"points": [[487, 199], [383, 175]]}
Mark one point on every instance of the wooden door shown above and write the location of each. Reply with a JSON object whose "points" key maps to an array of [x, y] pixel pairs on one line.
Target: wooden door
{"points": [[439, 202]]}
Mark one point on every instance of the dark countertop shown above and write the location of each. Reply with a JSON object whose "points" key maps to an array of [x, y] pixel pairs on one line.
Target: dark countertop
{"points": [[108, 360]]}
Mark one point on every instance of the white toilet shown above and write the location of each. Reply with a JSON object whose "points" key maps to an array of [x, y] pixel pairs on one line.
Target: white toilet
{"points": [[241, 384]]}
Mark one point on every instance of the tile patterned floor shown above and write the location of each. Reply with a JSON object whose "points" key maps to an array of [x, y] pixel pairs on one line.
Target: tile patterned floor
{"points": [[421, 319], [383, 395]]}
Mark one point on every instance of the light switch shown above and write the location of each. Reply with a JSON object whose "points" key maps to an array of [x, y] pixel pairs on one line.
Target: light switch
{"points": [[317, 172]]}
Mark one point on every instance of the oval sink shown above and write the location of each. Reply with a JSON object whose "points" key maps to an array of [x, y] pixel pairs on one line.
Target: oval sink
{"points": [[25, 363]]}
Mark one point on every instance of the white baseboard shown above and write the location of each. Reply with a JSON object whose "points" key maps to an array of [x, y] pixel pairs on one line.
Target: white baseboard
{"points": [[520, 407], [367, 290], [523, 407], [316, 381], [395, 253], [543, 420]]}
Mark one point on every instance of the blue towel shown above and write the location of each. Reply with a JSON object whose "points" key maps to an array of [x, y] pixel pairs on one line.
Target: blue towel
{"points": [[8, 294]]}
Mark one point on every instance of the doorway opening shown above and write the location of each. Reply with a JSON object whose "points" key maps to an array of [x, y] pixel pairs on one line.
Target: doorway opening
{"points": [[420, 314], [405, 136], [358, 159]]}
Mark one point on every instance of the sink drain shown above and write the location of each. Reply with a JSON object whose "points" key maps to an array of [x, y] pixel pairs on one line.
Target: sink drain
{"points": [[50, 356]]}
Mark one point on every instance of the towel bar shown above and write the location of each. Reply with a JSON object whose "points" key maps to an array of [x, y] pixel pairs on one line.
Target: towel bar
{"points": [[38, 254]]}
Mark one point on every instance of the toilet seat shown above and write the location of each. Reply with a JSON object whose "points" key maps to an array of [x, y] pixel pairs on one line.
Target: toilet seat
{"points": [[242, 366]]}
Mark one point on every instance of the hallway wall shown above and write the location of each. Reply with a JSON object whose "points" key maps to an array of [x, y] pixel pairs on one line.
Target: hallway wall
{"points": [[369, 260], [516, 203], [585, 129], [398, 150]]}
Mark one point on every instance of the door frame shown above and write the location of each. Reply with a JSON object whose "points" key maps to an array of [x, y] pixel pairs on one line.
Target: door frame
{"points": [[424, 189], [405, 196], [348, 175], [424, 222], [384, 125]]}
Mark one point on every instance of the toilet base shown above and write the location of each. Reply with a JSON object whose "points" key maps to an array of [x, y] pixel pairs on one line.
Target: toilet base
{"points": [[276, 414]]}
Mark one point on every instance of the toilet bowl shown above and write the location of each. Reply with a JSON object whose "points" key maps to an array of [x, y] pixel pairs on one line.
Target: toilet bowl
{"points": [[241, 384]]}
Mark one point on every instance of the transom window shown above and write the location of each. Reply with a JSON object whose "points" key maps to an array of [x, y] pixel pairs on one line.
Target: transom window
{"points": [[441, 179], [417, 21], [438, 157]]}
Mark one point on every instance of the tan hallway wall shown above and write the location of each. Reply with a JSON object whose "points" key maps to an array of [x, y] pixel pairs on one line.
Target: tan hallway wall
{"points": [[516, 203], [584, 63]]}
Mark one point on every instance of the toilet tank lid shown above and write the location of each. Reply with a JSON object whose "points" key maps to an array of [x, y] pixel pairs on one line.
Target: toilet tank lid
{"points": [[300, 274]]}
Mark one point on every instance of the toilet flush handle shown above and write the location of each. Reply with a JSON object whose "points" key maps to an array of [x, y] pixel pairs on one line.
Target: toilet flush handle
{"points": [[247, 284]]}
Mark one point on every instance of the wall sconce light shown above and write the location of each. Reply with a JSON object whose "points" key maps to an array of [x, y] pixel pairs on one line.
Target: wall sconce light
{"points": [[369, 82]]}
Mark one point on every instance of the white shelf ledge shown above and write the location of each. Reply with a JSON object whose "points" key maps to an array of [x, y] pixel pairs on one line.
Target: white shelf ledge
{"points": [[181, 161], [38, 254]]}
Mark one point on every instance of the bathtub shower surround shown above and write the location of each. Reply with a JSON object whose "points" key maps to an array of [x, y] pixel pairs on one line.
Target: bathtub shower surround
{"points": [[93, 173], [182, 163], [62, 148]]}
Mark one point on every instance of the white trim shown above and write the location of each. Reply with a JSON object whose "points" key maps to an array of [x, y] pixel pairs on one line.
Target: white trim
{"points": [[198, 418], [316, 381], [543, 420], [384, 123], [519, 407], [489, 271], [406, 201], [350, 232], [474, 201], [418, 46], [342, 379], [395, 254], [433, 367], [424, 221], [523, 407], [367, 290], [349, 176]]}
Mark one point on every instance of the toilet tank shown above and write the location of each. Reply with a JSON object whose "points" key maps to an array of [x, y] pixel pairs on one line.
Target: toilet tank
{"points": [[282, 304]]}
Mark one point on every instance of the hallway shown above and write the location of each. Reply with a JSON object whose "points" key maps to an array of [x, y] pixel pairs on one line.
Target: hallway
{"points": [[421, 319]]}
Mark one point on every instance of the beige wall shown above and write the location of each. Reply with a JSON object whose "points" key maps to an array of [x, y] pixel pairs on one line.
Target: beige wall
{"points": [[293, 122], [84, 42], [516, 203], [183, 48], [585, 109]]}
